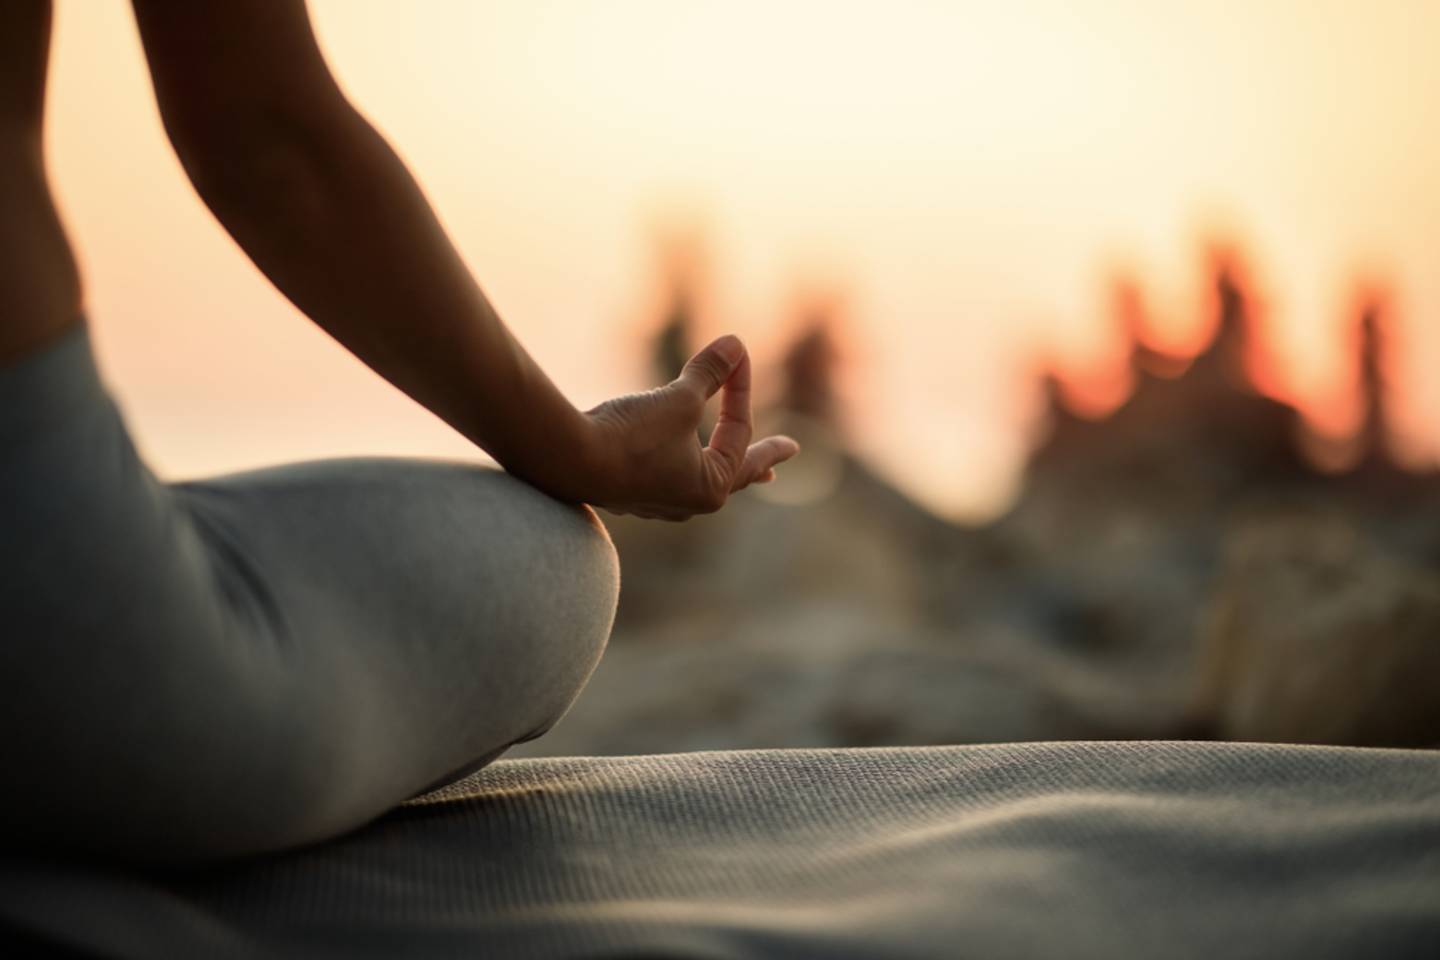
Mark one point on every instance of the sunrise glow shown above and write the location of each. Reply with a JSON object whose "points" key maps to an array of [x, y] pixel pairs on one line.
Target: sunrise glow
{"points": [[966, 179]]}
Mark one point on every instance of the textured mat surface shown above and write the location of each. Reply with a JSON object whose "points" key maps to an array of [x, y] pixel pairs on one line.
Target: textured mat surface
{"points": [[1061, 849]]}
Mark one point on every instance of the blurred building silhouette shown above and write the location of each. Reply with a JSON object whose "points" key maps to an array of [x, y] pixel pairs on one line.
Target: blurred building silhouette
{"points": [[674, 342], [808, 371], [1178, 567], [1207, 424], [1373, 438], [1128, 304]]}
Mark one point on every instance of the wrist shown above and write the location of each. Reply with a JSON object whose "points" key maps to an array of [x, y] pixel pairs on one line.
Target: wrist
{"points": [[593, 463], [571, 461], [575, 453]]}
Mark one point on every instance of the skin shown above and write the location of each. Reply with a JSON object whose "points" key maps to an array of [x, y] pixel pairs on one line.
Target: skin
{"points": [[327, 211], [39, 280]]}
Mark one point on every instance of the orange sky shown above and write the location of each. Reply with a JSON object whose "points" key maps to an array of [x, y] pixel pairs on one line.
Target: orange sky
{"points": [[968, 174]]}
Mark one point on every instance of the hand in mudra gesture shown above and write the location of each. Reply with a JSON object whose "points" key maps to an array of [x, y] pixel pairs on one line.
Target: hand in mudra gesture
{"points": [[651, 462]]}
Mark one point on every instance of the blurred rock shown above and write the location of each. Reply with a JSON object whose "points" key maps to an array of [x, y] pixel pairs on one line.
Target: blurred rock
{"points": [[1318, 635], [1185, 535], [808, 674]]}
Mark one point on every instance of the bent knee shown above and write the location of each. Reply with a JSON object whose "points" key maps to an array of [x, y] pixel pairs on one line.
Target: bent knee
{"points": [[574, 625], [567, 552], [573, 590], [597, 566]]}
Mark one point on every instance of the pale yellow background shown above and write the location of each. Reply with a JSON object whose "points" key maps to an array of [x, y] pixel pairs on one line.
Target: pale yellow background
{"points": [[966, 174]]}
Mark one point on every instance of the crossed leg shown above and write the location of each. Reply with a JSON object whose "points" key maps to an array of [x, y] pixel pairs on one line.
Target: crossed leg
{"points": [[266, 659]]}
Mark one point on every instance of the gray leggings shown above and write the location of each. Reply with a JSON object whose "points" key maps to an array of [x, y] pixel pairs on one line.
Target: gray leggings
{"points": [[263, 660]]}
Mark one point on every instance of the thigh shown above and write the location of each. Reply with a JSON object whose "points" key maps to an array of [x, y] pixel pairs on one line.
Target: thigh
{"points": [[265, 659], [435, 612]]}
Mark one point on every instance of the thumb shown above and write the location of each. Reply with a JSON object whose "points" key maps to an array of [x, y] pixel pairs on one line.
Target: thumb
{"points": [[706, 372]]}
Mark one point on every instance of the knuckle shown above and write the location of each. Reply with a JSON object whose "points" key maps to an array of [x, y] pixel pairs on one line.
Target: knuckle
{"points": [[682, 394], [739, 424], [711, 367], [693, 401]]}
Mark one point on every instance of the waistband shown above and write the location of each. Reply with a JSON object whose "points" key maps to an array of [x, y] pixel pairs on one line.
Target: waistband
{"points": [[54, 383]]}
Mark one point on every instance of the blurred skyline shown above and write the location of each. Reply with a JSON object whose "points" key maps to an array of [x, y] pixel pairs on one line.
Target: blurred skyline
{"points": [[966, 181]]}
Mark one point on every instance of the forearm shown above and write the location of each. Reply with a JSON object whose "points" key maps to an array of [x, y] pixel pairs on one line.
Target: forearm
{"points": [[330, 214]]}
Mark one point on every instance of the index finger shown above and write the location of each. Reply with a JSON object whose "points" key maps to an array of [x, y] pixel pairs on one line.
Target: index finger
{"points": [[731, 435]]}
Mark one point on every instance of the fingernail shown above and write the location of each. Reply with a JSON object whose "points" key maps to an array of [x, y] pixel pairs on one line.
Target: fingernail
{"points": [[730, 347]]}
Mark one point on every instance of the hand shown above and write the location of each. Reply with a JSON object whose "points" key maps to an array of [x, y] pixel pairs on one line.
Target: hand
{"points": [[649, 457]]}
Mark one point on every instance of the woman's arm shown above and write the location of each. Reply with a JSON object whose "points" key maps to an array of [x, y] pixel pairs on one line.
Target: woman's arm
{"points": [[327, 211]]}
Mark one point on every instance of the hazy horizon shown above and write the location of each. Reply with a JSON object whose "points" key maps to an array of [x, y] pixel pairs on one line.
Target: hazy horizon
{"points": [[965, 180]]}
